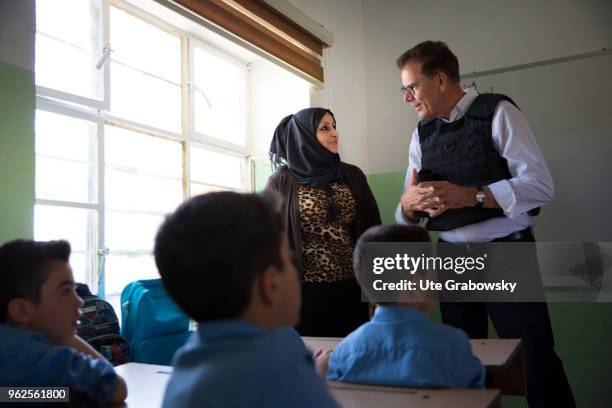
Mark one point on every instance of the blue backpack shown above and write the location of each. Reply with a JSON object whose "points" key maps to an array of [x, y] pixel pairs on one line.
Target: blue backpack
{"points": [[152, 323]]}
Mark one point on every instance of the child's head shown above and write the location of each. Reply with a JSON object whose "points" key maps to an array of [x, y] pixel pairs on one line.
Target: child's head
{"points": [[37, 290], [225, 255], [364, 273]]}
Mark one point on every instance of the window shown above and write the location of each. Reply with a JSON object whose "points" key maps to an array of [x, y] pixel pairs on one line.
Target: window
{"points": [[133, 116], [145, 68], [219, 89], [79, 40]]}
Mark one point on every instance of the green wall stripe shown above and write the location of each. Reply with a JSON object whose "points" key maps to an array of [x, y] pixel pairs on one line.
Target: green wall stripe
{"points": [[387, 188], [17, 106]]}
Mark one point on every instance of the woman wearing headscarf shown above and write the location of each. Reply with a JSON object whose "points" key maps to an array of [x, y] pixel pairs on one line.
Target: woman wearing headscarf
{"points": [[327, 206]]}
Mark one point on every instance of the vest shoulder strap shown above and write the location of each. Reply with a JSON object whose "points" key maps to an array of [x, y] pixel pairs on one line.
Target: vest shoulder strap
{"points": [[484, 105]]}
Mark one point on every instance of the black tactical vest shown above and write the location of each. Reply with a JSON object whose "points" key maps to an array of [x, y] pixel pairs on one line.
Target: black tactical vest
{"points": [[462, 152]]}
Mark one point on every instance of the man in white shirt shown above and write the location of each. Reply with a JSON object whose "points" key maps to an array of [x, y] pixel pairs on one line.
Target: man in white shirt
{"points": [[476, 174]]}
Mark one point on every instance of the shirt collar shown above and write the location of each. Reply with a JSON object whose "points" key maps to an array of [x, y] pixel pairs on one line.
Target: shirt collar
{"points": [[219, 329], [395, 313], [462, 105]]}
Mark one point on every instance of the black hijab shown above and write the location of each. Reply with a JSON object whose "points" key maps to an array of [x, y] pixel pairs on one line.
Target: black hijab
{"points": [[296, 147]]}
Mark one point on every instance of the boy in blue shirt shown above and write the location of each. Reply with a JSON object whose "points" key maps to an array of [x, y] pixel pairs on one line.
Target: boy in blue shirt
{"points": [[39, 312], [400, 346], [224, 258]]}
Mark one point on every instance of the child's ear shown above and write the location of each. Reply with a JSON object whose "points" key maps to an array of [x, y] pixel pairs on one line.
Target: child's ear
{"points": [[268, 284], [20, 310]]}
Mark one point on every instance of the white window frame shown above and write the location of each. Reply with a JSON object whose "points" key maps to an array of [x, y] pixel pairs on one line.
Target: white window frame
{"points": [[97, 112], [65, 109]]}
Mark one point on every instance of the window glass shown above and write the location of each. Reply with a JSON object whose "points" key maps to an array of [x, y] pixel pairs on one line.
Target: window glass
{"points": [[68, 49], [145, 73], [219, 97], [75, 225], [211, 167], [142, 98]]}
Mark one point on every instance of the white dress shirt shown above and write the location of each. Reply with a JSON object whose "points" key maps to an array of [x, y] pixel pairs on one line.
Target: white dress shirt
{"points": [[531, 184]]}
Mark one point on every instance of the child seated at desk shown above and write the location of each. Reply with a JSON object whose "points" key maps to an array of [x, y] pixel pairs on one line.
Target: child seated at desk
{"points": [[224, 258], [400, 346], [39, 312]]}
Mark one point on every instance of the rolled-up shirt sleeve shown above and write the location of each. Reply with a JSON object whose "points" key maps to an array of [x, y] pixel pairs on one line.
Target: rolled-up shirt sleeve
{"points": [[95, 376], [414, 162], [531, 184], [45, 365]]}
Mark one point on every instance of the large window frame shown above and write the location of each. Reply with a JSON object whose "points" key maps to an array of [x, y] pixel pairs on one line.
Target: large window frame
{"points": [[97, 112]]}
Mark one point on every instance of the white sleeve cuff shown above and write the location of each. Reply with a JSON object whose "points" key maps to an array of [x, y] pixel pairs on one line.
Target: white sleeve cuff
{"points": [[505, 197], [401, 218]]}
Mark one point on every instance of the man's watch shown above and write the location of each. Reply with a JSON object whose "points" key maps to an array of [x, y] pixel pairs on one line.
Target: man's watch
{"points": [[480, 197]]}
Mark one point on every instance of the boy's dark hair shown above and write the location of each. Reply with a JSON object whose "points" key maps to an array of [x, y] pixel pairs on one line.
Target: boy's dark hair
{"points": [[211, 249], [23, 269], [382, 233], [434, 56]]}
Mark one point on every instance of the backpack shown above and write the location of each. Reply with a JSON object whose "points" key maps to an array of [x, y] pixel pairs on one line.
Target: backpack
{"points": [[100, 327], [153, 324]]}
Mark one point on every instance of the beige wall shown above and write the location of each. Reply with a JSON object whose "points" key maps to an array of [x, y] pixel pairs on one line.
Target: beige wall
{"points": [[484, 35], [567, 104], [344, 63]]}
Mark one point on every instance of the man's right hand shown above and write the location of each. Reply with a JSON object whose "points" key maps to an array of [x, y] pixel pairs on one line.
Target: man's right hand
{"points": [[416, 199]]}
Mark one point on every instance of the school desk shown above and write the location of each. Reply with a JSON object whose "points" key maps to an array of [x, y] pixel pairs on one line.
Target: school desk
{"points": [[373, 396], [147, 383], [502, 358]]}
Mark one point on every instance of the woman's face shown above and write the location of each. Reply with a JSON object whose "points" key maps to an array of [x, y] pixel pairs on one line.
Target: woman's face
{"points": [[327, 134]]}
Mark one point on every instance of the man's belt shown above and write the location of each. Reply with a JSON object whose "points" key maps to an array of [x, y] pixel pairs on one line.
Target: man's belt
{"points": [[521, 235]]}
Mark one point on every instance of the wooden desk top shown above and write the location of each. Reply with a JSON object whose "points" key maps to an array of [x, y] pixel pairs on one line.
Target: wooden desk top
{"points": [[146, 383], [496, 353], [373, 396], [493, 353]]}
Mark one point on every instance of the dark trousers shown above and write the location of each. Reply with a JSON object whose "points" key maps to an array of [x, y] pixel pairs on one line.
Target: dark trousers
{"points": [[331, 309], [547, 385]]}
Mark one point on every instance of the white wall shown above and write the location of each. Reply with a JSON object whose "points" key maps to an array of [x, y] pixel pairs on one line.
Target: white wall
{"points": [[362, 81], [568, 105], [484, 34], [344, 92]]}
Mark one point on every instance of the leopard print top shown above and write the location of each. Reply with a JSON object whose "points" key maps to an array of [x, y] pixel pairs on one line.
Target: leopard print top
{"points": [[327, 248]]}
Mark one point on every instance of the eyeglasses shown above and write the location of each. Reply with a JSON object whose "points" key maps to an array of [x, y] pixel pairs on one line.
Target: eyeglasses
{"points": [[410, 89]]}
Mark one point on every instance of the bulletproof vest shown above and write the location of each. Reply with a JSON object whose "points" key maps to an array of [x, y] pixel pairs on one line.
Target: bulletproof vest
{"points": [[462, 152]]}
